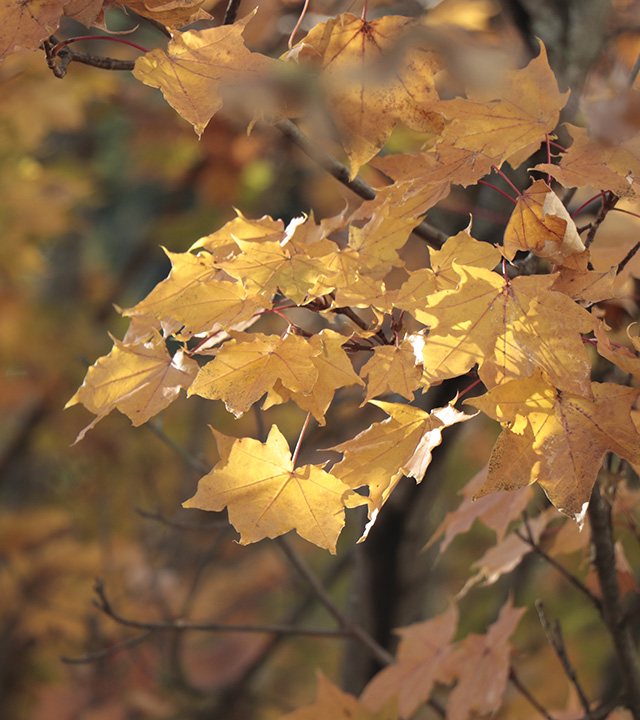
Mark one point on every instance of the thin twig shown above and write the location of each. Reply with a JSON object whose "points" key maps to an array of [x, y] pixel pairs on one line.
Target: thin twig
{"points": [[528, 538], [627, 258], [603, 553], [634, 71], [554, 636], [180, 625], [189, 459], [67, 55], [431, 235], [356, 631], [181, 525], [608, 203], [527, 695], [107, 652]]}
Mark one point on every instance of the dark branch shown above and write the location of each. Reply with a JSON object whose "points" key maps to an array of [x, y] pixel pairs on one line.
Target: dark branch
{"points": [[608, 203], [231, 13], [554, 636], [604, 561], [528, 538], [431, 235], [107, 652], [527, 695], [356, 631], [180, 625]]}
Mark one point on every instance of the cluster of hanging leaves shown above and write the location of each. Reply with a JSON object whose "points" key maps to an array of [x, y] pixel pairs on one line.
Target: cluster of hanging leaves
{"points": [[473, 314]]}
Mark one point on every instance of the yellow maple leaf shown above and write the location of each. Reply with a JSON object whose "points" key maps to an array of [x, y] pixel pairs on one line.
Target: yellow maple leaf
{"points": [[461, 249], [557, 439], [508, 327], [512, 127], [199, 65], [291, 265], [334, 371], [198, 295], [401, 444], [250, 364], [173, 14], [266, 497], [374, 74], [392, 370], [222, 243], [540, 223], [138, 379]]}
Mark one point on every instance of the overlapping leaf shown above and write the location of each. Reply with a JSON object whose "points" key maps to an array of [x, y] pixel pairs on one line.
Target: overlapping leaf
{"points": [[507, 327], [557, 439], [334, 371], [138, 379], [374, 73], [509, 122], [199, 66], [266, 497], [401, 444], [27, 24], [198, 295], [541, 224], [423, 648], [250, 364]]}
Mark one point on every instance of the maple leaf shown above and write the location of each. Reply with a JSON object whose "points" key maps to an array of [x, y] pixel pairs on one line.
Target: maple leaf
{"points": [[511, 127], [591, 162], [620, 356], [374, 74], [401, 444], [266, 497], [222, 243], [392, 369], [334, 371], [461, 249], [421, 652], [199, 65], [481, 665], [173, 14], [138, 379], [591, 286], [497, 511], [507, 554], [27, 24], [557, 439], [508, 327], [291, 265], [540, 223], [249, 365], [333, 704], [198, 295]]}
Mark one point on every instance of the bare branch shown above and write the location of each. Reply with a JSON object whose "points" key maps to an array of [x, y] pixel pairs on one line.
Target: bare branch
{"points": [[376, 650], [181, 525], [526, 694], [431, 235], [605, 565], [554, 636], [627, 258], [608, 203], [231, 13], [107, 652], [103, 604], [528, 538]]}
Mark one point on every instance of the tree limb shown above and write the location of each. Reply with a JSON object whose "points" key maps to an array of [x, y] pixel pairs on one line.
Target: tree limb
{"points": [[605, 564]]}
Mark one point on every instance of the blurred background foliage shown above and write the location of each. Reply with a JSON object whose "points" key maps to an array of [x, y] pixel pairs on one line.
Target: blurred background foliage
{"points": [[96, 174]]}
